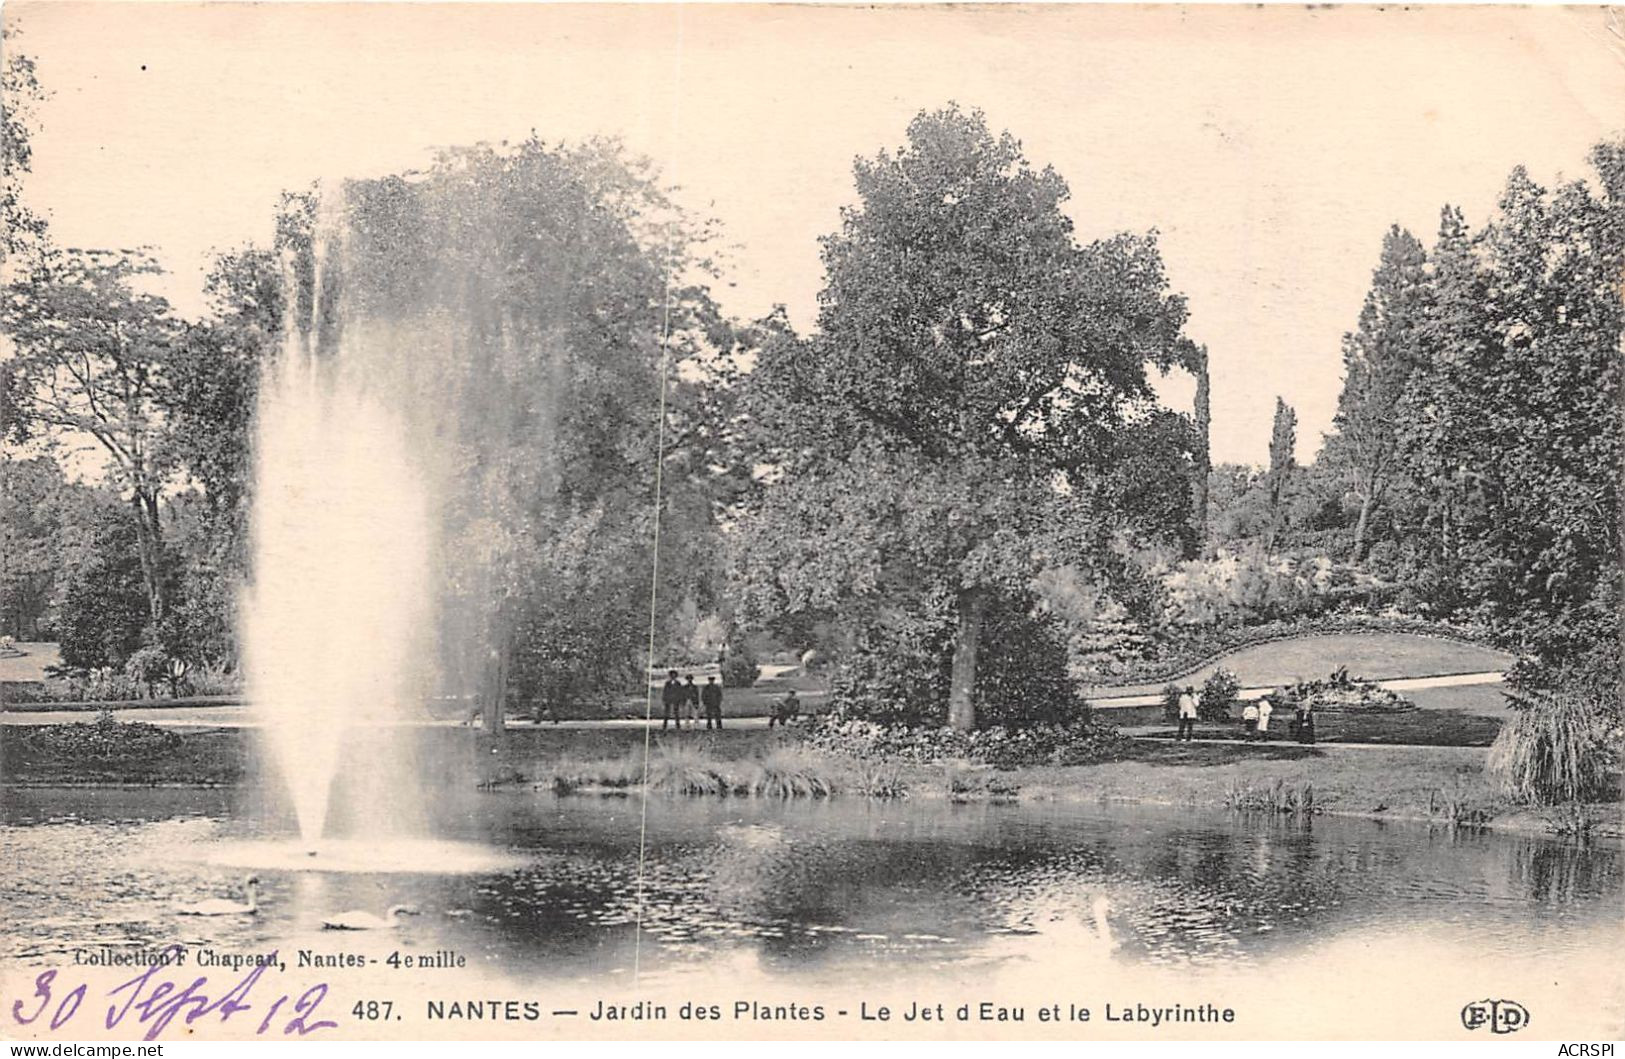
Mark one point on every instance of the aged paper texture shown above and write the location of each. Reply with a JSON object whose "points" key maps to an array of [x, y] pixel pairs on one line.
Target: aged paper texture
{"points": [[811, 522]]}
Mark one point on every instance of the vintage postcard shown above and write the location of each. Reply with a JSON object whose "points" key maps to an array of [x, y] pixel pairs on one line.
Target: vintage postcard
{"points": [[530, 522]]}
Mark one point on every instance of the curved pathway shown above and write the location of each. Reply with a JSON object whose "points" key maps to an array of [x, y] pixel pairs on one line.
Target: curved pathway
{"points": [[1447, 680]]}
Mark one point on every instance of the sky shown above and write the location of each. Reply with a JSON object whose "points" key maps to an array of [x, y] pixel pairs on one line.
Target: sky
{"points": [[1270, 147]]}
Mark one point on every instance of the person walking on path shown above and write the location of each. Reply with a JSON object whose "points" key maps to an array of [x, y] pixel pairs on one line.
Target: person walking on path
{"points": [[1265, 708], [711, 697], [671, 701], [1249, 720], [691, 699], [1187, 714]]}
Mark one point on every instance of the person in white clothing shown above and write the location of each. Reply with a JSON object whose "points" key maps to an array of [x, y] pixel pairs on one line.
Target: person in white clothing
{"points": [[1187, 714], [1265, 708]]}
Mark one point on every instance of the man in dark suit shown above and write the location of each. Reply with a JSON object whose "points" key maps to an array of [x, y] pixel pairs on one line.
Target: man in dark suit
{"points": [[671, 700], [711, 697]]}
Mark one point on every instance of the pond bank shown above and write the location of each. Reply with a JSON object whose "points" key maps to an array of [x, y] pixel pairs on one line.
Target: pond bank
{"points": [[1445, 785]]}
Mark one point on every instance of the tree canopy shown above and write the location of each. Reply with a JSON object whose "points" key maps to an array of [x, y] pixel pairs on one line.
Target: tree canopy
{"points": [[951, 427]]}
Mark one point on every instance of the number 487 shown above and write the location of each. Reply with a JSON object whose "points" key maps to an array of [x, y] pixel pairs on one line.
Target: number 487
{"points": [[372, 1010]]}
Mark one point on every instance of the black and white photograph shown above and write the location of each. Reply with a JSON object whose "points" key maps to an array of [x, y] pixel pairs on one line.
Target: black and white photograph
{"points": [[530, 522]]}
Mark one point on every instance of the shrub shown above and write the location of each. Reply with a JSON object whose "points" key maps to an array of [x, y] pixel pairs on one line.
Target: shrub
{"points": [[63, 685], [1218, 695], [104, 606], [1170, 702], [214, 678], [966, 784], [148, 666], [1555, 748], [1248, 586], [739, 668]]}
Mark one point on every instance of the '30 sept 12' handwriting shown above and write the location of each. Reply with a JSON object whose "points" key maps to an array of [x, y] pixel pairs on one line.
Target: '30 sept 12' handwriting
{"points": [[154, 999]]}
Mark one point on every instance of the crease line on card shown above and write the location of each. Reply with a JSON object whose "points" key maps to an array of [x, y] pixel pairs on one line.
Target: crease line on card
{"points": [[660, 462]]}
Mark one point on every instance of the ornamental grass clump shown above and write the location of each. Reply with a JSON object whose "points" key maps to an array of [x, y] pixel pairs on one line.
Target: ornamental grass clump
{"points": [[683, 771], [617, 774], [791, 773], [1554, 749]]}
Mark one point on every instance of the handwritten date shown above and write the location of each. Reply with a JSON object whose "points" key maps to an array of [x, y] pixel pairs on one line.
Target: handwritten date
{"points": [[155, 998]]}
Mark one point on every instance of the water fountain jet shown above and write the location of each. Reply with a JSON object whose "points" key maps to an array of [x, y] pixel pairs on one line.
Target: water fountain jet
{"points": [[336, 623]]}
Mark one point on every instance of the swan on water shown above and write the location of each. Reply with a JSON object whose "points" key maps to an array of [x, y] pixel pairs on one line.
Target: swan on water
{"points": [[220, 906], [358, 920]]}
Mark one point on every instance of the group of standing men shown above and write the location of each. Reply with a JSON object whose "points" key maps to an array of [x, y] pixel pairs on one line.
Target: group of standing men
{"points": [[678, 698]]}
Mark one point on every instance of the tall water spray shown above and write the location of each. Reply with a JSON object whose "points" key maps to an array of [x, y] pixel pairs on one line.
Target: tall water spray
{"points": [[337, 620]]}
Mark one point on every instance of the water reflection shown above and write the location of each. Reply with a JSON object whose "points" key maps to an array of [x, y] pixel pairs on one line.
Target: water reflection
{"points": [[806, 887]]}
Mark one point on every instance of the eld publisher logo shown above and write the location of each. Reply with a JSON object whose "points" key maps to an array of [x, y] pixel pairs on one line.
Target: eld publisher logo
{"points": [[1501, 1016]]}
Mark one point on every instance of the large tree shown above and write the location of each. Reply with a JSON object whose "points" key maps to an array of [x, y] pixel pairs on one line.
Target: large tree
{"points": [[1380, 357], [553, 293], [32, 495], [1513, 429], [90, 352], [22, 231], [947, 432], [1283, 461]]}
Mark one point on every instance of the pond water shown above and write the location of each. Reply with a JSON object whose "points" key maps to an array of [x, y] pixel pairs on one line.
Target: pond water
{"points": [[797, 891]]}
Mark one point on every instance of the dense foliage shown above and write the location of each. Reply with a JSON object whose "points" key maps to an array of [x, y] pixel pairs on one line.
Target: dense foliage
{"points": [[958, 491], [1082, 742], [957, 423], [1217, 695]]}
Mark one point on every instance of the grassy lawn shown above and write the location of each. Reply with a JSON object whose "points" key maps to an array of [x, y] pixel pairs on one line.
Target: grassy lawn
{"points": [[1483, 700], [1437, 783], [1430, 727], [212, 757], [1374, 656], [1402, 783], [225, 756]]}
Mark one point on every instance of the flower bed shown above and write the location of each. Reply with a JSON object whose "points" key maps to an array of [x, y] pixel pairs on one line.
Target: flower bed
{"points": [[1079, 743], [105, 740], [1341, 692]]}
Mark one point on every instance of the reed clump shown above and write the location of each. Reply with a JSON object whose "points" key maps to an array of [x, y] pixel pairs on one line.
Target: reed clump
{"points": [[783, 772], [1553, 750], [1297, 799], [788, 772], [617, 775]]}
